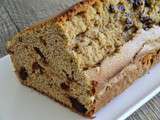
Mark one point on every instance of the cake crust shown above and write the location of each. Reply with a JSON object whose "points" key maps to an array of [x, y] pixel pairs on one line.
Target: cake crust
{"points": [[74, 10]]}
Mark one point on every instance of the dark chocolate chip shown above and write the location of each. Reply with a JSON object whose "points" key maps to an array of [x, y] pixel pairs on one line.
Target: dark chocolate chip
{"points": [[39, 52], [98, 13], [85, 68], [134, 29], [75, 48], [81, 2], [9, 51], [36, 66], [112, 9], [145, 19], [98, 63], [158, 51], [23, 74], [136, 3], [50, 84], [56, 41], [42, 41], [90, 44], [77, 105], [129, 24], [20, 39], [71, 61], [72, 73], [93, 91], [64, 86], [151, 61], [41, 55], [81, 14], [127, 27], [147, 3], [147, 22], [108, 88]]}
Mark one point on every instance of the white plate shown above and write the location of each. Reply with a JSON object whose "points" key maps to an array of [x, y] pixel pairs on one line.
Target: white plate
{"points": [[21, 103]]}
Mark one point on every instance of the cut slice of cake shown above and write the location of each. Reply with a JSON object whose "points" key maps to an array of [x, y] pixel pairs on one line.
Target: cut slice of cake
{"points": [[89, 54]]}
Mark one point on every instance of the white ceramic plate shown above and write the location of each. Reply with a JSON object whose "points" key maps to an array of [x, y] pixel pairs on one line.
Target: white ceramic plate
{"points": [[21, 103]]}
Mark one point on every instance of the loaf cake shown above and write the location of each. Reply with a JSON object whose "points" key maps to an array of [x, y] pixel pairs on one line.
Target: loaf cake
{"points": [[90, 53]]}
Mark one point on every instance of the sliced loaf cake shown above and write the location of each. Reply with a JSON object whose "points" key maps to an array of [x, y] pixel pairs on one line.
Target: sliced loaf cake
{"points": [[90, 53]]}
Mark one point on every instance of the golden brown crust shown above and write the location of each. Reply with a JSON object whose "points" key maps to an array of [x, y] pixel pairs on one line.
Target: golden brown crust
{"points": [[75, 9], [59, 19], [66, 14]]}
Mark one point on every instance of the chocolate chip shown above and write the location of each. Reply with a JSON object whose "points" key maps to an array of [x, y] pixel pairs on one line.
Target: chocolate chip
{"points": [[39, 52], [129, 24], [23, 74], [72, 73], [151, 61], [158, 51], [90, 44], [98, 63], [64, 86], [42, 40], [20, 39], [9, 51], [147, 22], [144, 19], [81, 13], [50, 84], [85, 68], [134, 29], [112, 9], [36, 66], [136, 3], [127, 27], [76, 48], [93, 91], [77, 105], [71, 61], [41, 55], [108, 88], [147, 3]]}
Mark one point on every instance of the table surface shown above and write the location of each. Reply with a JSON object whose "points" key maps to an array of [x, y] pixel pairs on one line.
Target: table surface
{"points": [[15, 15]]}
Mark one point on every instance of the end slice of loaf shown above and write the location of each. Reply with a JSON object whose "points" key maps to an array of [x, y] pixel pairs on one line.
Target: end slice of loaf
{"points": [[89, 54]]}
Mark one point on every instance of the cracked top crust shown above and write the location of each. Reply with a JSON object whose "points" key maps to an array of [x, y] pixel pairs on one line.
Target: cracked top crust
{"points": [[59, 19], [75, 9], [67, 14]]}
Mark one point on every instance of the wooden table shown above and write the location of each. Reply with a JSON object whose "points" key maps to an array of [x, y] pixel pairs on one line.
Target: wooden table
{"points": [[17, 14]]}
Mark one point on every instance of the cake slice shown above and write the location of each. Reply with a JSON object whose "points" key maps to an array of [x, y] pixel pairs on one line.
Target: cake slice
{"points": [[89, 54]]}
